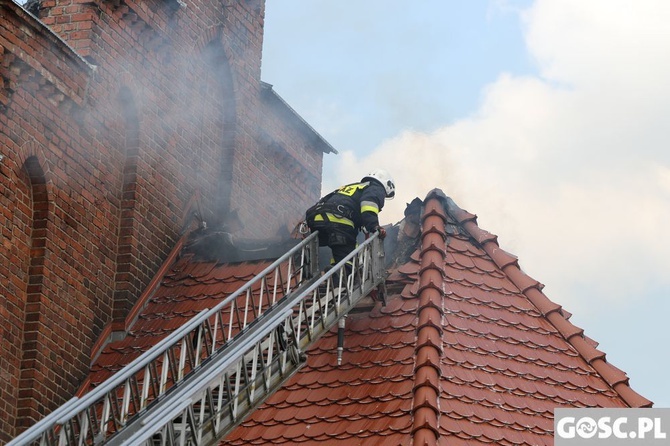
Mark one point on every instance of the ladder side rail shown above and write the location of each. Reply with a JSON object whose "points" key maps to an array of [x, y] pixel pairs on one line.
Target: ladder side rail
{"points": [[41, 427], [108, 389]]}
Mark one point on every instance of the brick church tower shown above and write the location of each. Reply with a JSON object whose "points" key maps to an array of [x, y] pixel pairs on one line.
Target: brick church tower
{"points": [[123, 123]]}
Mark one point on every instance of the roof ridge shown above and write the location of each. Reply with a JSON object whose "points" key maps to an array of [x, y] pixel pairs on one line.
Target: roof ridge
{"points": [[428, 351], [553, 312]]}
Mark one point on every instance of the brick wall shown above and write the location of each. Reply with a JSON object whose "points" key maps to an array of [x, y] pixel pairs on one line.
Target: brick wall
{"points": [[114, 116], [282, 163]]}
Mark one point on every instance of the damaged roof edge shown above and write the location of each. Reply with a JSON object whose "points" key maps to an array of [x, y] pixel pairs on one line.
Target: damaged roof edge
{"points": [[321, 142], [553, 312]]}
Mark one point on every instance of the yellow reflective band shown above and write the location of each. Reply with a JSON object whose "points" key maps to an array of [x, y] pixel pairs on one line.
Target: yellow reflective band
{"points": [[334, 219], [369, 206]]}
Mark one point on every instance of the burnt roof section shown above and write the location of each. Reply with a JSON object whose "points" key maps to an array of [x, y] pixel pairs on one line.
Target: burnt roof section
{"points": [[273, 97], [220, 246]]}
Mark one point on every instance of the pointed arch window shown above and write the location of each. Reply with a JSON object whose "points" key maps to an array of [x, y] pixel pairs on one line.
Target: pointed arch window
{"points": [[36, 203], [124, 258]]}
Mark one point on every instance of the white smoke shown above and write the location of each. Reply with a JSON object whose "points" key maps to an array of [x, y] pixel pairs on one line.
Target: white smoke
{"points": [[570, 169]]}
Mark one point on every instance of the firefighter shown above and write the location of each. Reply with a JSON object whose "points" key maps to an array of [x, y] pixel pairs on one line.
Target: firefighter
{"points": [[342, 213]]}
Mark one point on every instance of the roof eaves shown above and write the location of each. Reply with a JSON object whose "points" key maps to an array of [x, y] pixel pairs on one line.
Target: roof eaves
{"points": [[553, 312], [320, 141]]}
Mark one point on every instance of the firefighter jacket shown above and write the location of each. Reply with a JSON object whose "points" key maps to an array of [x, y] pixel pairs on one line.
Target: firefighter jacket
{"points": [[356, 205]]}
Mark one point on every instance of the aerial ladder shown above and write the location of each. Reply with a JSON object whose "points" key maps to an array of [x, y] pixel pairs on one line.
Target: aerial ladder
{"points": [[198, 383]]}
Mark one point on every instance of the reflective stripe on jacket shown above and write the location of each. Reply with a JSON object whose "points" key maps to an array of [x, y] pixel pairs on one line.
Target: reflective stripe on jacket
{"points": [[334, 219]]}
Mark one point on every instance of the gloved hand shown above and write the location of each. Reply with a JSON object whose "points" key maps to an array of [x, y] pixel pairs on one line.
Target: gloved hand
{"points": [[382, 232]]}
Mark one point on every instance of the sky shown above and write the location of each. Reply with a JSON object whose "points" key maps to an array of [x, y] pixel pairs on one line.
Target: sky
{"points": [[548, 119]]}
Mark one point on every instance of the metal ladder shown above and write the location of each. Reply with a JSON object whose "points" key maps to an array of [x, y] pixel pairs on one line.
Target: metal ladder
{"points": [[198, 383]]}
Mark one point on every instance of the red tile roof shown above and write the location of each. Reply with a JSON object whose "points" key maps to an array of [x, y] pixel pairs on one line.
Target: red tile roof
{"points": [[467, 350]]}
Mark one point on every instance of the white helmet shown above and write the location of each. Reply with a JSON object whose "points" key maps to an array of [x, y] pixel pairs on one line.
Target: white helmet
{"points": [[385, 179]]}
